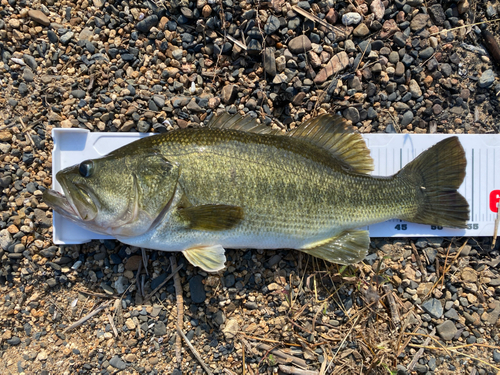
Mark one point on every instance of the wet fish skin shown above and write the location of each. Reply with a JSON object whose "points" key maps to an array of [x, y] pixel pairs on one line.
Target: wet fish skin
{"points": [[222, 187]]}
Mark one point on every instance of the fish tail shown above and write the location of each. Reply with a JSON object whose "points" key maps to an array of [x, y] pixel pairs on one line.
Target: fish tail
{"points": [[437, 173]]}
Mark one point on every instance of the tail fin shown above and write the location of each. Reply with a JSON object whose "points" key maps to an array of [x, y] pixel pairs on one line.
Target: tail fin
{"points": [[438, 172]]}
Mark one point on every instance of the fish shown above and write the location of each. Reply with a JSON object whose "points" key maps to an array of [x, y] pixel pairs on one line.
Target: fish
{"points": [[239, 184]]}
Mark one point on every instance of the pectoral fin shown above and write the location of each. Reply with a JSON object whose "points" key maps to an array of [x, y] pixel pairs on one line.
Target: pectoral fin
{"points": [[212, 216], [208, 258], [346, 248]]}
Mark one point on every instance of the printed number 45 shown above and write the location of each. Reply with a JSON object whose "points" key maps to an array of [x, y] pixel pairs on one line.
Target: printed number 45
{"points": [[401, 227]]}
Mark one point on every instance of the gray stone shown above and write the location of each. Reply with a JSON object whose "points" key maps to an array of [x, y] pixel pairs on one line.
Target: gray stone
{"points": [[433, 307], [496, 356], [451, 314], [160, 329], [352, 114], [419, 21], [486, 79], [147, 23], [79, 94], [23, 89], [159, 100], [197, 289], [5, 239], [28, 75], [51, 282], [229, 93], [407, 118], [66, 37], [426, 53], [121, 284], [437, 14], [219, 318], [30, 61], [272, 25], [299, 44], [447, 330], [415, 90], [351, 18], [194, 107], [231, 329], [269, 61], [157, 281], [117, 362], [14, 340]]}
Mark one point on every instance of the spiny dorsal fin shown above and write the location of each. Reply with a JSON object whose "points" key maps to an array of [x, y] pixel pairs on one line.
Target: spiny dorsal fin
{"points": [[332, 133], [326, 131], [237, 122], [212, 217]]}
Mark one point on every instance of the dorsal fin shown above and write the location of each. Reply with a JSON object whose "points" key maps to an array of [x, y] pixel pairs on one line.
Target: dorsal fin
{"points": [[332, 133], [237, 122], [327, 131]]}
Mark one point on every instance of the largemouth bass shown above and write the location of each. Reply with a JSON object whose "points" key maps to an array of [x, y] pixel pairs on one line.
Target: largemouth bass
{"points": [[238, 184]]}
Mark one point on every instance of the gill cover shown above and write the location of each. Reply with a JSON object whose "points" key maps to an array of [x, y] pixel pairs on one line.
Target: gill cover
{"points": [[120, 194]]}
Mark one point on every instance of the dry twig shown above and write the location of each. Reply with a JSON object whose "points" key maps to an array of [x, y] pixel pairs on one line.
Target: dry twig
{"points": [[180, 309], [193, 350]]}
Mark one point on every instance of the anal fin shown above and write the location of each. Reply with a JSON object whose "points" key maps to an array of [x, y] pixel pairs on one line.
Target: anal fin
{"points": [[208, 258], [347, 248]]}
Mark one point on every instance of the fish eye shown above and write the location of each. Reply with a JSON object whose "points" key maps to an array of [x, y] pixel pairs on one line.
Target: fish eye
{"points": [[86, 168]]}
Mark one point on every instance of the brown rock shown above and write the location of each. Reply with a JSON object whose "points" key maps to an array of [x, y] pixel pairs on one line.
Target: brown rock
{"points": [[419, 22], [39, 17], [314, 59], [299, 98], [229, 93], [12, 229], [361, 30], [182, 123], [389, 28], [378, 9], [206, 11], [213, 103], [332, 16], [133, 262], [299, 44], [131, 357], [5, 136], [163, 23], [335, 65], [469, 275]]}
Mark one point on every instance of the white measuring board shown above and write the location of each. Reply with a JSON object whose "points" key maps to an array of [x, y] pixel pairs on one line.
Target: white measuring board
{"points": [[390, 152]]}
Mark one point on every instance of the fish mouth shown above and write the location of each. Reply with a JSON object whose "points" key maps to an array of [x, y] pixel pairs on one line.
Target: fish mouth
{"points": [[75, 204], [60, 204]]}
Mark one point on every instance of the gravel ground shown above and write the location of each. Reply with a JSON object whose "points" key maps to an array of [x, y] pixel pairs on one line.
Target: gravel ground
{"points": [[425, 306]]}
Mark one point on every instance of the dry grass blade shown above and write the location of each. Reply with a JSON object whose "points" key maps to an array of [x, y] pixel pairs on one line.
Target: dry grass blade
{"points": [[180, 309], [417, 258], [420, 351], [495, 232], [296, 371], [341, 34], [112, 324], [392, 305], [282, 356], [194, 351], [88, 316], [446, 268], [163, 283]]}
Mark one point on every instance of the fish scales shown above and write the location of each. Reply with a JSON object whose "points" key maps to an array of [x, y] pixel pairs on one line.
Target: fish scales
{"points": [[202, 190]]}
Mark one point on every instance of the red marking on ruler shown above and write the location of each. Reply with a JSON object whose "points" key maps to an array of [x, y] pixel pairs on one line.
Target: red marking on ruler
{"points": [[494, 200]]}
